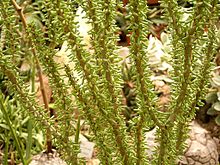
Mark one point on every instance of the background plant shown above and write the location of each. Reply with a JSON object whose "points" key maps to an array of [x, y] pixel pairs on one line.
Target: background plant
{"points": [[95, 81], [14, 132]]}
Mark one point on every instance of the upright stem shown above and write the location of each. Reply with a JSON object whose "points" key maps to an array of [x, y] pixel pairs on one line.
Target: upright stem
{"points": [[46, 104], [138, 42], [30, 126], [39, 71], [19, 10]]}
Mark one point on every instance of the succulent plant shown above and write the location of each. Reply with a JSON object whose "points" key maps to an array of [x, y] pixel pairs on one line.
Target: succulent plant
{"points": [[98, 98], [214, 98]]}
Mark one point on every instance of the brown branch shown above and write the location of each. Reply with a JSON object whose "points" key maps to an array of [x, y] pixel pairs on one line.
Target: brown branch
{"points": [[19, 10], [40, 74], [45, 100]]}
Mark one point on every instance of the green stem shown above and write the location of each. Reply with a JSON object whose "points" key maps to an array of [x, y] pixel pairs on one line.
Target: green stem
{"points": [[77, 137], [143, 82], [87, 105], [180, 136], [162, 147], [6, 151], [30, 126], [29, 139], [77, 131]]}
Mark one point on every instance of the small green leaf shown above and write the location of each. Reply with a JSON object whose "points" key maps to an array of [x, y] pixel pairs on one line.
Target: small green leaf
{"points": [[4, 126], [216, 106], [211, 111], [211, 97], [217, 120], [52, 106], [24, 121], [158, 21], [164, 38]]}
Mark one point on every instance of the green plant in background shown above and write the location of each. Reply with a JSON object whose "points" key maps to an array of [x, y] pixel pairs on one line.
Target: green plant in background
{"points": [[14, 125], [12, 130], [92, 82], [213, 97]]}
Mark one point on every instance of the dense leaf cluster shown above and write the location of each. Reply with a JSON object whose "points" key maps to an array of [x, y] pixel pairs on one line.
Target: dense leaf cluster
{"points": [[91, 83]]}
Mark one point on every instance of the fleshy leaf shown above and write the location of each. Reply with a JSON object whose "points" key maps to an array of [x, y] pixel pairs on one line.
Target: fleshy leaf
{"points": [[216, 106], [211, 111], [164, 37], [217, 120], [211, 97], [4, 126]]}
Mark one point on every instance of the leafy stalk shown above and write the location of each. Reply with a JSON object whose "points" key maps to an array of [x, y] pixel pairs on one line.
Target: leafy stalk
{"points": [[24, 22], [30, 122], [187, 81], [5, 159], [146, 98], [91, 82], [81, 55]]}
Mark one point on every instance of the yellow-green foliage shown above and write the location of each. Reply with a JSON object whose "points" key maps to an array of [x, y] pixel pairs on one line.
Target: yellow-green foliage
{"points": [[93, 78]]}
